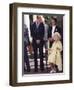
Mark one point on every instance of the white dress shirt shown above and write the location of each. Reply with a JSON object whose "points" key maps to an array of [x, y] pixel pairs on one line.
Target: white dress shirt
{"points": [[53, 29]]}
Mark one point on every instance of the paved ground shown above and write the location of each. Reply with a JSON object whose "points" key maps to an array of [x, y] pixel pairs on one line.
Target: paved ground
{"points": [[31, 60]]}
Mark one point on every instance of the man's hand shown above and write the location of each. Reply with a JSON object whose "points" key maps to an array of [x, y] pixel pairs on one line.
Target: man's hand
{"points": [[50, 39], [30, 48], [37, 41]]}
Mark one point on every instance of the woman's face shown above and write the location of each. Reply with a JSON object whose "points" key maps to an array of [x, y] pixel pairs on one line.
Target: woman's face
{"points": [[55, 38]]}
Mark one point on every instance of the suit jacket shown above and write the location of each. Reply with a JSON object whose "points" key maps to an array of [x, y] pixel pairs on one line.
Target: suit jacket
{"points": [[26, 36], [37, 33], [57, 29]]}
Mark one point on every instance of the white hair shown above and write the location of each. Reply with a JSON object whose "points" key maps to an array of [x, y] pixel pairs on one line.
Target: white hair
{"points": [[58, 34]]}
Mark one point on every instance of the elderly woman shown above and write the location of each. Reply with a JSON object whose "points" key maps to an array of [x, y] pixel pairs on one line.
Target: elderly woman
{"points": [[54, 53]]}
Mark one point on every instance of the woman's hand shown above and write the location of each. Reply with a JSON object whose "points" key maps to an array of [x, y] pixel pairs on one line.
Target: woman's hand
{"points": [[48, 49], [59, 49]]}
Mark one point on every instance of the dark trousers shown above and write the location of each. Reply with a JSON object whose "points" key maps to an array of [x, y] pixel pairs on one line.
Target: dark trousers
{"points": [[35, 48], [26, 59]]}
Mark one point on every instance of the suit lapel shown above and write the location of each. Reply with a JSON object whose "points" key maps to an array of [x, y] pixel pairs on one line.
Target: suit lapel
{"points": [[56, 30]]}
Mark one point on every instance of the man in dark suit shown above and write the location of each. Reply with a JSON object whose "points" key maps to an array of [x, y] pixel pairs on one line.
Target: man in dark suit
{"points": [[54, 28], [26, 44], [37, 33]]}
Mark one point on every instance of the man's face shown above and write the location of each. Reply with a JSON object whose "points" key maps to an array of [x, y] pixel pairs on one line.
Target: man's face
{"points": [[39, 19], [53, 22]]}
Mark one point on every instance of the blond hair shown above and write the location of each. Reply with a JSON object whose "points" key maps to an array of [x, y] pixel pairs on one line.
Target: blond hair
{"points": [[57, 34]]}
